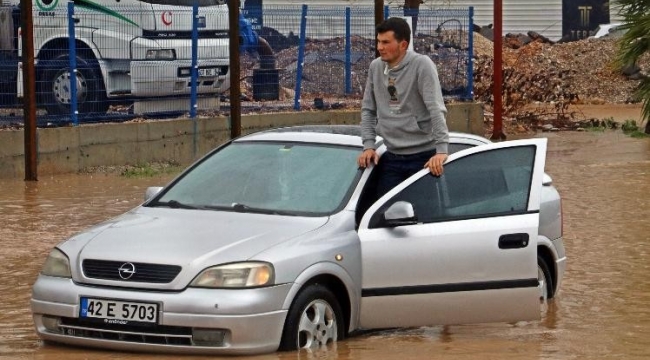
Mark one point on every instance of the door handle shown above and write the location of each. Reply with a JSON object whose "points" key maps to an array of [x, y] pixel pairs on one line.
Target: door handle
{"points": [[513, 241]]}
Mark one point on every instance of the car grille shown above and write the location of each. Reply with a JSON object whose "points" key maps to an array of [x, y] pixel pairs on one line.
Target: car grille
{"points": [[142, 272], [155, 334]]}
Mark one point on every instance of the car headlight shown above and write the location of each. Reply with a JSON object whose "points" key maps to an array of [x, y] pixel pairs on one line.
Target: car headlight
{"points": [[161, 54], [238, 275], [57, 264]]}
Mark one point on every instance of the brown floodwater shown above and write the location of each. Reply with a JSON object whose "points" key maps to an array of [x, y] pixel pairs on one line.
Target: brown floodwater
{"points": [[602, 310]]}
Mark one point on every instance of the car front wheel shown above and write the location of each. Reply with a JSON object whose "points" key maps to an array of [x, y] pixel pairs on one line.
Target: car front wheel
{"points": [[545, 283], [314, 320]]}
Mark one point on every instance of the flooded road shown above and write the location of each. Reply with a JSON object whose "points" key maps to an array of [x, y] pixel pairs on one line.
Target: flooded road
{"points": [[602, 310]]}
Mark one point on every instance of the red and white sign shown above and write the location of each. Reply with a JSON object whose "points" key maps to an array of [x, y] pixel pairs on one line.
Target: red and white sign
{"points": [[166, 18]]}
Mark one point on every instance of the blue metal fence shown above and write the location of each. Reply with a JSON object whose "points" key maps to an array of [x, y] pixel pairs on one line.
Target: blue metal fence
{"points": [[173, 64]]}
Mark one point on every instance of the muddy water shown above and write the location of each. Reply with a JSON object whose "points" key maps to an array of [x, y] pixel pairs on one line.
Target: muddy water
{"points": [[602, 311]]}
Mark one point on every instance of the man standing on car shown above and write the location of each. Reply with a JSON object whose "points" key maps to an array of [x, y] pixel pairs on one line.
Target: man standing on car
{"points": [[402, 103]]}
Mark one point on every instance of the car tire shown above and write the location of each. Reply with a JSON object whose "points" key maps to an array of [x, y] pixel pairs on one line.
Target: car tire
{"points": [[53, 94], [545, 283], [314, 320]]}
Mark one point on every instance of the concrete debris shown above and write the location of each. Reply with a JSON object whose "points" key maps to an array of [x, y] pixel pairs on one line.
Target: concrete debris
{"points": [[557, 75], [536, 71]]}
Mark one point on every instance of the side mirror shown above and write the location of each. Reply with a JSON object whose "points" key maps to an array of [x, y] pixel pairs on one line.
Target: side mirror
{"points": [[399, 214], [546, 180], [151, 192]]}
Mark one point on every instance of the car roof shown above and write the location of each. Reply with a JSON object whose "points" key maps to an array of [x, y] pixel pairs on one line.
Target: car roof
{"points": [[604, 29], [348, 135]]}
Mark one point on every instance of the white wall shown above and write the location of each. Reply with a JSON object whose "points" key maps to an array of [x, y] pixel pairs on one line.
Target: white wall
{"points": [[519, 16], [613, 12]]}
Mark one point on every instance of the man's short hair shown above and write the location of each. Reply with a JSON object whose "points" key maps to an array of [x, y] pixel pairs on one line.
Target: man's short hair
{"points": [[398, 26]]}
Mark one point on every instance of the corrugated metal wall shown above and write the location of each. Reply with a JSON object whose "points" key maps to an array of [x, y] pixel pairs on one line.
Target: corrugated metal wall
{"points": [[519, 16], [613, 12]]}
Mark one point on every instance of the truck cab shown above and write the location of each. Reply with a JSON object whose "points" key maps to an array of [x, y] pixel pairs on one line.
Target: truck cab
{"points": [[125, 51]]}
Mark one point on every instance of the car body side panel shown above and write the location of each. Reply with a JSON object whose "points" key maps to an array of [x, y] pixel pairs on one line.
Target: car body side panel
{"points": [[448, 308], [448, 261], [415, 270]]}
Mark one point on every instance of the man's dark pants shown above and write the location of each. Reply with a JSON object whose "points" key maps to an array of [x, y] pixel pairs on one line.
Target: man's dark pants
{"points": [[394, 168]]}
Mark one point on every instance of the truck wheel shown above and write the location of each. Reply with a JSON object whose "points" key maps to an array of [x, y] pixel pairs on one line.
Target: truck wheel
{"points": [[314, 320], [53, 86]]}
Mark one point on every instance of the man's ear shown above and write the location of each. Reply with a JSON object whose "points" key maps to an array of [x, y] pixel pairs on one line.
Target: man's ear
{"points": [[404, 45]]}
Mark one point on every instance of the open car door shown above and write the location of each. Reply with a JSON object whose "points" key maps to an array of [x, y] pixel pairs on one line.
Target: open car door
{"points": [[459, 248]]}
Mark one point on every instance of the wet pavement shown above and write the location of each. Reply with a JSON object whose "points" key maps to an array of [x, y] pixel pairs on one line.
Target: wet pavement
{"points": [[602, 310]]}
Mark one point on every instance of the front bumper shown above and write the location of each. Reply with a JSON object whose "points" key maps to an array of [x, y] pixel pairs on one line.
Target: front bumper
{"points": [[251, 319], [161, 78]]}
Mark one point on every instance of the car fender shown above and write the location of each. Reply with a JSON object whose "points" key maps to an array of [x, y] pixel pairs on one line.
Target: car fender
{"points": [[550, 246], [546, 242], [328, 268]]}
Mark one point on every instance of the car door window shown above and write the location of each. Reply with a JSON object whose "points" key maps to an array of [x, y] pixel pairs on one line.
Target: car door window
{"points": [[489, 183], [456, 147]]}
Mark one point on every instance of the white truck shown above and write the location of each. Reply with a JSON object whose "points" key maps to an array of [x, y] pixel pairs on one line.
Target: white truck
{"points": [[126, 50]]}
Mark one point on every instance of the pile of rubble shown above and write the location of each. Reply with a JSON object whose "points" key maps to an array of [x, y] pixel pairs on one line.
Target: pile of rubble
{"points": [[536, 71], [558, 75]]}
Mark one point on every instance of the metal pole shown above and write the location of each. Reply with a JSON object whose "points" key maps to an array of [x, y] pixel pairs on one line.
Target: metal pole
{"points": [[72, 47], [497, 132], [301, 56], [470, 58], [194, 75], [235, 72], [379, 18], [348, 52], [29, 84]]}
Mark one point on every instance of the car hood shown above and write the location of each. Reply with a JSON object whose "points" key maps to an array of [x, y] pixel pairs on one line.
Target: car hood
{"points": [[192, 239]]}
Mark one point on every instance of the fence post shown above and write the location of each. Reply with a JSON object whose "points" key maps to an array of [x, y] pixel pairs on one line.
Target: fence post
{"points": [[301, 56], [72, 65], [348, 51], [194, 74], [470, 56]]}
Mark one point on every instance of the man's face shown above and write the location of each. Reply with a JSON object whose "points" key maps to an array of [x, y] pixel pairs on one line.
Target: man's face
{"points": [[389, 48]]}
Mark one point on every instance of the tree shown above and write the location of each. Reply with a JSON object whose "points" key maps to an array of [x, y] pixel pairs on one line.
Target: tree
{"points": [[634, 44]]}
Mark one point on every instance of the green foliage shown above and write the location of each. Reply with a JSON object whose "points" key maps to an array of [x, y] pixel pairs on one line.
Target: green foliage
{"points": [[635, 43], [150, 170], [638, 134], [629, 126]]}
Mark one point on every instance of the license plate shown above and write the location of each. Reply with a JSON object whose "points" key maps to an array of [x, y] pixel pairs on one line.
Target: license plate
{"points": [[118, 312], [208, 72]]}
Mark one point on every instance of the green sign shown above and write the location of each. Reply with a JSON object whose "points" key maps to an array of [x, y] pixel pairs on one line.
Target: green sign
{"points": [[46, 5]]}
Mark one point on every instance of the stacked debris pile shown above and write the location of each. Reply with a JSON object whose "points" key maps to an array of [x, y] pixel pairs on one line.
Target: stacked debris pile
{"points": [[558, 75], [536, 71]]}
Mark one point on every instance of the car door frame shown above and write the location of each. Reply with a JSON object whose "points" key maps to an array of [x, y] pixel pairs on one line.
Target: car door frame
{"points": [[391, 297]]}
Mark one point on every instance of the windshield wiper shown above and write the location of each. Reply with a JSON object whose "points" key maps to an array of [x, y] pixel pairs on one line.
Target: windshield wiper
{"points": [[175, 204], [245, 208]]}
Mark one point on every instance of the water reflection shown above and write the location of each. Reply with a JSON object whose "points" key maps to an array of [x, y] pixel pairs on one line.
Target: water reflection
{"points": [[602, 310]]}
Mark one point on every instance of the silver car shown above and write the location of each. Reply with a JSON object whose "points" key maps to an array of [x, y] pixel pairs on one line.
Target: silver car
{"points": [[276, 240]]}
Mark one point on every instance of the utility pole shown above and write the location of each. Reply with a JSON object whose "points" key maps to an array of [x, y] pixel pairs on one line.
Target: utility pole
{"points": [[497, 131], [29, 86]]}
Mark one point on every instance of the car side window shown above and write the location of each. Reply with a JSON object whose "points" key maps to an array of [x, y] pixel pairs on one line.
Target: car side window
{"points": [[456, 147], [489, 183]]}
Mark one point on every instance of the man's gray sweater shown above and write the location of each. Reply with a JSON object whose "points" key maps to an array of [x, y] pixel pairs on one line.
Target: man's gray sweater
{"points": [[411, 121]]}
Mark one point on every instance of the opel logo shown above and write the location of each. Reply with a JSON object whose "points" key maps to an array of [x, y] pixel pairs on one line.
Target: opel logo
{"points": [[126, 271]]}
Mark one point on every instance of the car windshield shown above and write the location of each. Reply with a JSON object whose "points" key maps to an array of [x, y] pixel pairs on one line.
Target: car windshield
{"points": [[269, 177]]}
